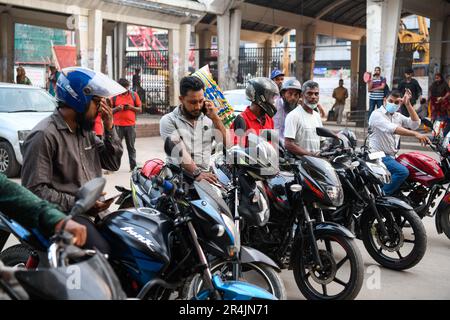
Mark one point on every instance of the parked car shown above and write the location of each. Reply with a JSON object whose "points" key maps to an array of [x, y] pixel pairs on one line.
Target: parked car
{"points": [[237, 99], [21, 108]]}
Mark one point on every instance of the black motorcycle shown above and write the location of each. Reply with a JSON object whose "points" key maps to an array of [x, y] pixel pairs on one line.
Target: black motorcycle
{"points": [[315, 250], [390, 229], [72, 273]]}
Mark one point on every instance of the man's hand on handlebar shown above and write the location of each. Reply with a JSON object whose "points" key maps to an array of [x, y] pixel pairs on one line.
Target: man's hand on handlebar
{"points": [[208, 176], [77, 230], [424, 140]]}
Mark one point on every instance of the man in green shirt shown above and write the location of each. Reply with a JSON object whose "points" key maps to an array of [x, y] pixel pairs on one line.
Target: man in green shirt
{"points": [[31, 212]]}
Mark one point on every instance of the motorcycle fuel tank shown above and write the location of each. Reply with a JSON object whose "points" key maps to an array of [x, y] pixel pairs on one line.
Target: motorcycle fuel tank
{"points": [[422, 168], [139, 240]]}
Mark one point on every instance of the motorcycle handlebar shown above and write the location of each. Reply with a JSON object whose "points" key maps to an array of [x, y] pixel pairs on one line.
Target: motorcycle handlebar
{"points": [[165, 184]]}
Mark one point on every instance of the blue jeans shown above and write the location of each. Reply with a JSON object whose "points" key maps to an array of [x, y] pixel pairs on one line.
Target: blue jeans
{"points": [[398, 172], [374, 104]]}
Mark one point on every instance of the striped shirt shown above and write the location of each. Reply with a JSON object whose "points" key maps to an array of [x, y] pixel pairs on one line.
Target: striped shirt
{"points": [[377, 94]]}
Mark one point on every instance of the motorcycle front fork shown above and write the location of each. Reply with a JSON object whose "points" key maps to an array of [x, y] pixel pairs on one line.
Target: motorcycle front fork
{"points": [[312, 237]]}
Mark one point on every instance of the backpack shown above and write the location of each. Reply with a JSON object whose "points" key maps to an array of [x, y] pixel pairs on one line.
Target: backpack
{"points": [[133, 95]]}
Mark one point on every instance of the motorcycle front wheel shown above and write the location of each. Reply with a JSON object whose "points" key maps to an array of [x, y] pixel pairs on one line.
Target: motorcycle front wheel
{"points": [[258, 274], [407, 241], [342, 274]]}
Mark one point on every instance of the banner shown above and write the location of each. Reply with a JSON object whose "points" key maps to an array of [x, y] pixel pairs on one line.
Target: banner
{"points": [[214, 93]]}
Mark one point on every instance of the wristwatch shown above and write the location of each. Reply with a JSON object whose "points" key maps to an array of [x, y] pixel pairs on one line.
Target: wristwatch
{"points": [[196, 172]]}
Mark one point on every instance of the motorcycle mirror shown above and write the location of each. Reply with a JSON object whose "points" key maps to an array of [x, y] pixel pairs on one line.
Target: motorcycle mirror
{"points": [[169, 147], [269, 135], [88, 194], [324, 132], [427, 122]]}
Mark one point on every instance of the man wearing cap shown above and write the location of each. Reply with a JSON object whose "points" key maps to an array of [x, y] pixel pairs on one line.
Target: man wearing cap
{"points": [[291, 91], [278, 77]]}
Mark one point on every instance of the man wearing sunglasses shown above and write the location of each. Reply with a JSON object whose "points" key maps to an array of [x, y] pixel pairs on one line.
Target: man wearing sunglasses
{"points": [[62, 152], [386, 125]]}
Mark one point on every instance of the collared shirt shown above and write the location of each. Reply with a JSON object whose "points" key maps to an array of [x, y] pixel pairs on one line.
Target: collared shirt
{"points": [[377, 94], [58, 161], [253, 123], [382, 126], [126, 118], [197, 137], [340, 94], [301, 127]]}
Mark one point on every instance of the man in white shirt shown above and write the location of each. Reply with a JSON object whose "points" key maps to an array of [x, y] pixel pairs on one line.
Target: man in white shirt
{"points": [[300, 127], [386, 125]]}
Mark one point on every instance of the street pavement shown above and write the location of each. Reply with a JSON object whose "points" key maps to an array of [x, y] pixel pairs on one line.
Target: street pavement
{"points": [[428, 280]]}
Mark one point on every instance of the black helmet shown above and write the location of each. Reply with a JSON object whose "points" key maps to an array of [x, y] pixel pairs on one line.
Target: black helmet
{"points": [[263, 91], [350, 135]]}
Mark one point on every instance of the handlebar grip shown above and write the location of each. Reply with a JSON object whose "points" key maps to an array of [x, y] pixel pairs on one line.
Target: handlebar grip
{"points": [[165, 184]]}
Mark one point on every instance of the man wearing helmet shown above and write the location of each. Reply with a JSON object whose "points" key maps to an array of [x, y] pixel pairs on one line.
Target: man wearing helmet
{"points": [[291, 91], [62, 152], [301, 123], [262, 93]]}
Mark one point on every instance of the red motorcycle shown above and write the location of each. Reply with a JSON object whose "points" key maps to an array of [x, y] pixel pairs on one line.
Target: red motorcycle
{"points": [[426, 182]]}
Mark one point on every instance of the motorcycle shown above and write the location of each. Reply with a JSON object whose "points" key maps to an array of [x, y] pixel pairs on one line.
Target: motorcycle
{"points": [[156, 254], [314, 249], [386, 225], [72, 273], [247, 264], [426, 181]]}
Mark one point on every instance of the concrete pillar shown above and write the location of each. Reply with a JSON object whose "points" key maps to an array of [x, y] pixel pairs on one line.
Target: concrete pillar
{"points": [[82, 40], [174, 66], [235, 39], [6, 47], [267, 58], [205, 39], [299, 54], [121, 49], [305, 39], [362, 103], [95, 29], [436, 37], [185, 44], [446, 47], [382, 45], [109, 57], [286, 60], [309, 52], [354, 72], [223, 39]]}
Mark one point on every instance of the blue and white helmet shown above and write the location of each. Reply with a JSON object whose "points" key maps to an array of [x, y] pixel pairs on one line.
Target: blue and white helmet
{"points": [[76, 86]]}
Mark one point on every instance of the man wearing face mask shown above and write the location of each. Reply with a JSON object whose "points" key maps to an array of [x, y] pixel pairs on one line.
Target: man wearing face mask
{"points": [[300, 128], [291, 91], [62, 152], [386, 125]]}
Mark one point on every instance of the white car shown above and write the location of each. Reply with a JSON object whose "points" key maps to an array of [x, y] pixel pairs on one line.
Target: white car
{"points": [[237, 99], [21, 108]]}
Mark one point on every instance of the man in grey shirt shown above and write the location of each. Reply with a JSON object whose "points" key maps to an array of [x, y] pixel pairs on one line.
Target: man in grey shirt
{"points": [[62, 152], [193, 124], [385, 127]]}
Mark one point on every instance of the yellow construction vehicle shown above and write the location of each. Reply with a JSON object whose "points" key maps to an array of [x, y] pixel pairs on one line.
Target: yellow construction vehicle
{"points": [[420, 41]]}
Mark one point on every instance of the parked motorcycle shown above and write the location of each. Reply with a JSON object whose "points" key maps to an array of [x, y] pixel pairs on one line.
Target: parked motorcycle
{"points": [[156, 254], [72, 273], [315, 250], [247, 264], [391, 231], [426, 182]]}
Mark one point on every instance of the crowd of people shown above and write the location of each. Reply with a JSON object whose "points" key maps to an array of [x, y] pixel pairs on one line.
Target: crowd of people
{"points": [[84, 135]]}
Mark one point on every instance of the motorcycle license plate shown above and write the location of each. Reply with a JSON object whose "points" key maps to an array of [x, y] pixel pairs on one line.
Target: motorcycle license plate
{"points": [[377, 155]]}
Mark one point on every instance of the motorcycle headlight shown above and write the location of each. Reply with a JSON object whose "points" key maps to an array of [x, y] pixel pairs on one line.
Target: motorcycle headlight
{"points": [[380, 171], [336, 195], [235, 247], [22, 135]]}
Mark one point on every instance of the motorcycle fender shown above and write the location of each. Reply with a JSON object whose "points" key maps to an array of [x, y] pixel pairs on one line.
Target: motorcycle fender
{"points": [[332, 228], [249, 255], [441, 209], [394, 203], [239, 290]]}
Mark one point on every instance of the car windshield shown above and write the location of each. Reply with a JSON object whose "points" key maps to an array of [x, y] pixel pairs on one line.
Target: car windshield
{"points": [[25, 100], [237, 100]]}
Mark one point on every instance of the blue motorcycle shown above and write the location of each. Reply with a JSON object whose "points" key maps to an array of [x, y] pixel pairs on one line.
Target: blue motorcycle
{"points": [[156, 255]]}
